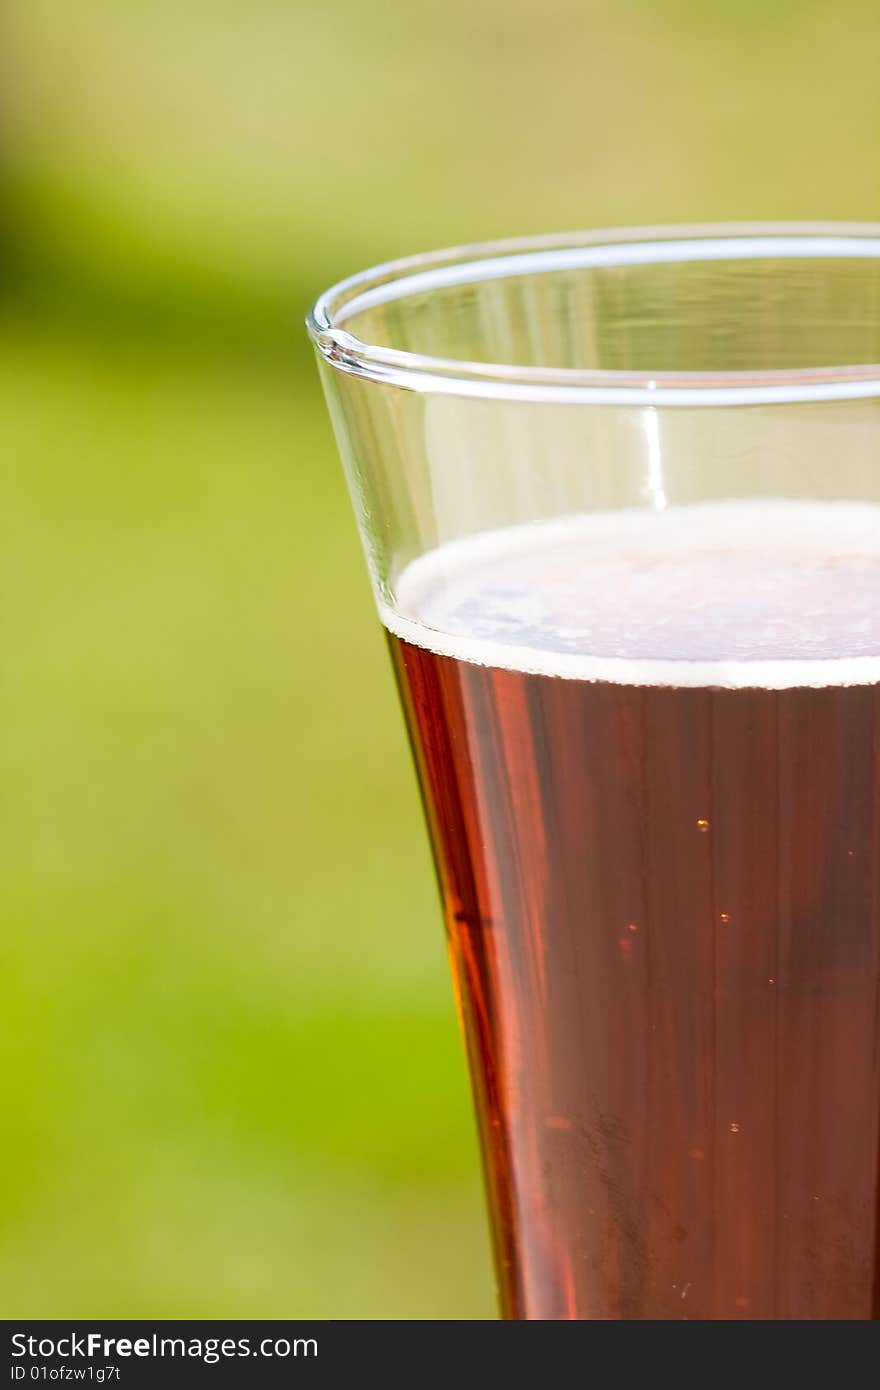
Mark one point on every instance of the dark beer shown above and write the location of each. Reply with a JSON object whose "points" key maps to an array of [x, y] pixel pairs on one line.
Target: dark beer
{"points": [[649, 747]]}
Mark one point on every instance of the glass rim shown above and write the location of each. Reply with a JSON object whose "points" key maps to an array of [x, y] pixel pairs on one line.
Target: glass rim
{"points": [[650, 245]]}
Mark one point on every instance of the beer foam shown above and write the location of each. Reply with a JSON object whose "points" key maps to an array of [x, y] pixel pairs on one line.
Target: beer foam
{"points": [[756, 593]]}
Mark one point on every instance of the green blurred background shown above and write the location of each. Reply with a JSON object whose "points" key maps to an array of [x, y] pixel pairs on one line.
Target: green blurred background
{"points": [[232, 1081]]}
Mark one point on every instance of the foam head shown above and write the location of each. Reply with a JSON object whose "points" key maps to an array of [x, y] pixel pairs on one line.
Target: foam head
{"points": [[732, 593]]}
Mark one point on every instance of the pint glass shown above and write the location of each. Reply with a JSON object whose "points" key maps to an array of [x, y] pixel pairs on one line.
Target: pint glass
{"points": [[620, 500]]}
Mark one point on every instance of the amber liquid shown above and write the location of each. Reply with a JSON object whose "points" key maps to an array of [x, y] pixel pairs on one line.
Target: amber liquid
{"points": [[664, 924], [663, 920]]}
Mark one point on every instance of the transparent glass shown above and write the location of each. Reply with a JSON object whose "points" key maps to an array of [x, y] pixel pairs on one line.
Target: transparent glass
{"points": [[619, 495]]}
